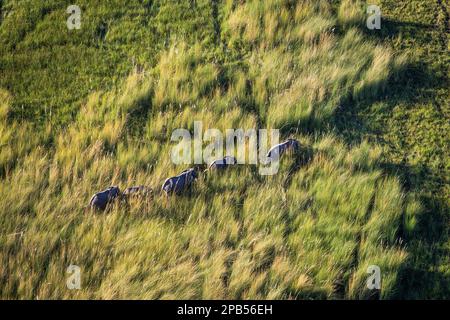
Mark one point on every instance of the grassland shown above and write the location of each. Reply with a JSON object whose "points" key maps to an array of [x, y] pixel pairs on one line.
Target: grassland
{"points": [[88, 108], [411, 122]]}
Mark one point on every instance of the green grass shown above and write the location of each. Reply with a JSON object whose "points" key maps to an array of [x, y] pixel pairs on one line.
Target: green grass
{"points": [[84, 109], [410, 121]]}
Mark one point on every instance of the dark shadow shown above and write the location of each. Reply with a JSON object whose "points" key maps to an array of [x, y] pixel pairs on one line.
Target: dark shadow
{"points": [[101, 31], [419, 277], [216, 22], [427, 244]]}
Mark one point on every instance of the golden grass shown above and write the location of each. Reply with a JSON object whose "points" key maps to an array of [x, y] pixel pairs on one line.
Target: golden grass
{"points": [[308, 232]]}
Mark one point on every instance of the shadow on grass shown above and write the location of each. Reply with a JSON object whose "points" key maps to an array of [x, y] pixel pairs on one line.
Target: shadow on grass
{"points": [[419, 277], [422, 275]]}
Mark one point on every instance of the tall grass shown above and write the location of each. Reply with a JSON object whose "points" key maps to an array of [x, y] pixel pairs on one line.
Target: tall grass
{"points": [[308, 232]]}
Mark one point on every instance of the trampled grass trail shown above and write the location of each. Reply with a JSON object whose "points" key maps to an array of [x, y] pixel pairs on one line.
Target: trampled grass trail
{"points": [[311, 231]]}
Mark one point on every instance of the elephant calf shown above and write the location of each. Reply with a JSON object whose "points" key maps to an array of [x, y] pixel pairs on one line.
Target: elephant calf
{"points": [[223, 163], [279, 149], [137, 191]]}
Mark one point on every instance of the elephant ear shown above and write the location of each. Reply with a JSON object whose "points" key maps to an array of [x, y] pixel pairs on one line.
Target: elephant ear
{"points": [[92, 199], [170, 185]]}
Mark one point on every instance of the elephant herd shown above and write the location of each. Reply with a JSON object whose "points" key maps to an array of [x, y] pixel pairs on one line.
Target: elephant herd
{"points": [[180, 183]]}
